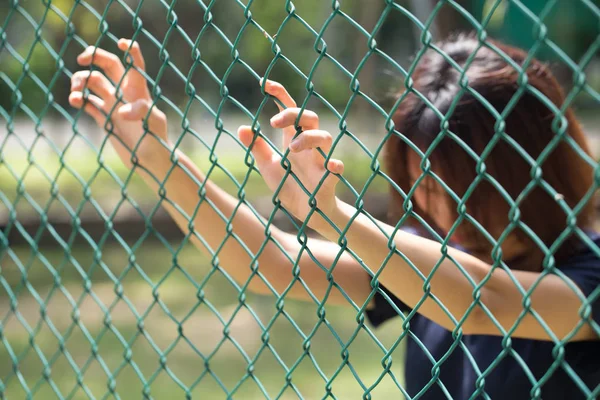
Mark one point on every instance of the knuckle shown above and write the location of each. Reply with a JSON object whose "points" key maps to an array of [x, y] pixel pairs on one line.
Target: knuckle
{"points": [[95, 76], [301, 142], [312, 115], [313, 138], [162, 118], [74, 80], [96, 79], [290, 113], [276, 86], [323, 139], [91, 80], [146, 105], [113, 60], [141, 108], [79, 75], [96, 102]]}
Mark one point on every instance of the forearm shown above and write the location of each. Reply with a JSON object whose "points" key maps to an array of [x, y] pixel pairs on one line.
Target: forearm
{"points": [[213, 218], [447, 284], [207, 217], [181, 184]]}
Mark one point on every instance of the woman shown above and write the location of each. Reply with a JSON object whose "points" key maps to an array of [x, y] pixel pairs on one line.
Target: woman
{"points": [[465, 290]]}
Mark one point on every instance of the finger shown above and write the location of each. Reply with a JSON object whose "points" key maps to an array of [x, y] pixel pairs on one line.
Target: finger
{"points": [[288, 117], [335, 166], [312, 139], [94, 106], [135, 77], [263, 153], [277, 90], [108, 62], [138, 110], [134, 50], [96, 82]]}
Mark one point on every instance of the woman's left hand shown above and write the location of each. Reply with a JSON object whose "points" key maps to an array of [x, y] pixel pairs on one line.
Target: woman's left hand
{"points": [[307, 163], [122, 116]]}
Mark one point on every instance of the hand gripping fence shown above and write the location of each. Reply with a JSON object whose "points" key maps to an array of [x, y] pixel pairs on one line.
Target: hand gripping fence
{"points": [[99, 313]]}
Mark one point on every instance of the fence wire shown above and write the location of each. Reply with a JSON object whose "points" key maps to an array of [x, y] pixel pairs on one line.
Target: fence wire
{"points": [[37, 96]]}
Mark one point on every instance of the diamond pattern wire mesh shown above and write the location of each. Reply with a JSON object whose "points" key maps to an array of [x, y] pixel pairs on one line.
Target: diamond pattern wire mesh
{"points": [[49, 339]]}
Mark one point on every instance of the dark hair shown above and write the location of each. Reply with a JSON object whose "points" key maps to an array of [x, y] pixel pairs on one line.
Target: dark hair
{"points": [[529, 123]]}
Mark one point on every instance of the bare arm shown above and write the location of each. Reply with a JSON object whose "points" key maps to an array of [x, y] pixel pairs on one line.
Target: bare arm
{"points": [[273, 264], [554, 302], [182, 187], [450, 297]]}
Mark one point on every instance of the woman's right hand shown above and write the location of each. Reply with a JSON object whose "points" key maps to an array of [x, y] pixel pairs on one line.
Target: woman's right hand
{"points": [[126, 119], [306, 161]]}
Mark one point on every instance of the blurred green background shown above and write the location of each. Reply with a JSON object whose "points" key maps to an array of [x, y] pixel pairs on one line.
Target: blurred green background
{"points": [[167, 299], [71, 294]]}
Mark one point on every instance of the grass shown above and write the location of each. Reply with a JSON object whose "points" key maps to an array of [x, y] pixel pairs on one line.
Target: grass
{"points": [[201, 359]]}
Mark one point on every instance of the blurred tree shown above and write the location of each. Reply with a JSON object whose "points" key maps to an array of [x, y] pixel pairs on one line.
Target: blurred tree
{"points": [[367, 16], [173, 29]]}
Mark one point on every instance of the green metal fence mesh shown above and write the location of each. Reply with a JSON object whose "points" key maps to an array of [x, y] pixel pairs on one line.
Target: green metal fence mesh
{"points": [[63, 311]]}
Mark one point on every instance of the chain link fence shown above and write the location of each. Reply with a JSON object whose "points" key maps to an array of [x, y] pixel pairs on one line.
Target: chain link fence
{"points": [[100, 297]]}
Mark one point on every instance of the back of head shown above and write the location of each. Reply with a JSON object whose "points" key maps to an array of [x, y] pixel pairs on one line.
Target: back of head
{"points": [[503, 145]]}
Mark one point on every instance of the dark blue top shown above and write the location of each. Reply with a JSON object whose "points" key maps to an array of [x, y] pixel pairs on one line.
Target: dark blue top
{"points": [[526, 360]]}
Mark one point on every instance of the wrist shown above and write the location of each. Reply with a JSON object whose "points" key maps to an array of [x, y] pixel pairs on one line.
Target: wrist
{"points": [[152, 148], [153, 155], [337, 219]]}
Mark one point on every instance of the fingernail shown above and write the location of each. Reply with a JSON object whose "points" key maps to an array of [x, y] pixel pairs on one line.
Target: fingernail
{"points": [[276, 119], [294, 145]]}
